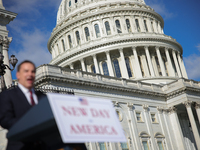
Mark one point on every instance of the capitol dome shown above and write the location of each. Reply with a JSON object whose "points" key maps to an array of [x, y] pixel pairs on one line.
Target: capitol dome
{"points": [[123, 39]]}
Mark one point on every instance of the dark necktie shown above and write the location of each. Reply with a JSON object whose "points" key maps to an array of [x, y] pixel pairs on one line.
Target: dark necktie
{"points": [[32, 100]]}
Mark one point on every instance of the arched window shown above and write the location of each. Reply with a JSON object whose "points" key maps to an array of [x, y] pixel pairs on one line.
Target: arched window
{"points": [[76, 1], [124, 146], [152, 26], [102, 146], [128, 25], [159, 138], [96, 26], [145, 24], [58, 49], [137, 25], [145, 140], [117, 23], [63, 44], [105, 68], [117, 68], [78, 38], [93, 69], [128, 67], [70, 41], [142, 69], [108, 31], [158, 66], [70, 3], [87, 34]]}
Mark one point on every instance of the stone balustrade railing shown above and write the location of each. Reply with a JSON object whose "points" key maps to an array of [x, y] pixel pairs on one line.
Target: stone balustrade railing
{"points": [[57, 73]]}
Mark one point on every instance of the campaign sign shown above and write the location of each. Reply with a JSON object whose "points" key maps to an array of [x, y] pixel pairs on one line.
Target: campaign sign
{"points": [[85, 119]]}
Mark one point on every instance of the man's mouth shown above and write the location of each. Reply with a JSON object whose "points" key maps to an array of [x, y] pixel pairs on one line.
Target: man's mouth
{"points": [[30, 79]]}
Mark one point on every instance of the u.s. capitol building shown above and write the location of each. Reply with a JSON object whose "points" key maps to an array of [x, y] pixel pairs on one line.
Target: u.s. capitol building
{"points": [[117, 50]]}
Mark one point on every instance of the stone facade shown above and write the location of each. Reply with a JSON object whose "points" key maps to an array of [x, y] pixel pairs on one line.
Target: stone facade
{"points": [[117, 50], [152, 115]]}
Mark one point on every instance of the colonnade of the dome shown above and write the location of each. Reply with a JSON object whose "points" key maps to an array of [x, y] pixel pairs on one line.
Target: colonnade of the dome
{"points": [[116, 39], [134, 62]]}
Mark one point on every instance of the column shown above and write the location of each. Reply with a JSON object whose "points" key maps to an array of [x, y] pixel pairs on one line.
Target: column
{"points": [[159, 27], [141, 24], [192, 122], [53, 53], [149, 126], [112, 26], [7, 75], [102, 31], [149, 61], [169, 128], [145, 65], [62, 48], [164, 128], [155, 26], [83, 65], [197, 107], [90, 27], [58, 47], [180, 142], [96, 64], [109, 63], [134, 24], [139, 72], [148, 21], [134, 128], [184, 73], [66, 42], [160, 61], [123, 24], [171, 69], [176, 64], [123, 64]]}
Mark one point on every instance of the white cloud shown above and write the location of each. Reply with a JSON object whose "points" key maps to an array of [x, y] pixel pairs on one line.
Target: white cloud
{"points": [[33, 47], [198, 47], [192, 63], [160, 8]]}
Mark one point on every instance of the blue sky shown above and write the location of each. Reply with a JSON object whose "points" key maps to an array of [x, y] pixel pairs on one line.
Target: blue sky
{"points": [[36, 19]]}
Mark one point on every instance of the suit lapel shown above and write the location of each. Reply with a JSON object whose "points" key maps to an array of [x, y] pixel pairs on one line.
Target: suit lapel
{"points": [[22, 98]]}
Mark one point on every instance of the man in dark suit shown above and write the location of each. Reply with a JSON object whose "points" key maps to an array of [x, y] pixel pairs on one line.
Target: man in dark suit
{"points": [[16, 102]]}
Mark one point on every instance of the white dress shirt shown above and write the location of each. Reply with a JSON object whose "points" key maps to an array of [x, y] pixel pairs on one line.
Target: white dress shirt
{"points": [[28, 94]]}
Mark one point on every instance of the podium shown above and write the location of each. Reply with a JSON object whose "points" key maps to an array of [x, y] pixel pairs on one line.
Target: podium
{"points": [[38, 124]]}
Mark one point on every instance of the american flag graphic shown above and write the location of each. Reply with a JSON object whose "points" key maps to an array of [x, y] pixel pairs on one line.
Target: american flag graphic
{"points": [[83, 101]]}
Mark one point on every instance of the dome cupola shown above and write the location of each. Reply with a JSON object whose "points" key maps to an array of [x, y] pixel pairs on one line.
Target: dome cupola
{"points": [[123, 39]]}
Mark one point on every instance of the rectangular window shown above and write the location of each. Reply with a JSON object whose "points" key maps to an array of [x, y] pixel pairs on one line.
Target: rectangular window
{"points": [[145, 24], [145, 145], [102, 146], [124, 146], [153, 118], [138, 116], [137, 25]]}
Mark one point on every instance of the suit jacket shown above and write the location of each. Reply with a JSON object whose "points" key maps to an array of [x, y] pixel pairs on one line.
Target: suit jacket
{"points": [[13, 105]]}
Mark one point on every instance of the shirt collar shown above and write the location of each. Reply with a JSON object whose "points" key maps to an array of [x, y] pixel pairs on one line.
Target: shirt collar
{"points": [[24, 90]]}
